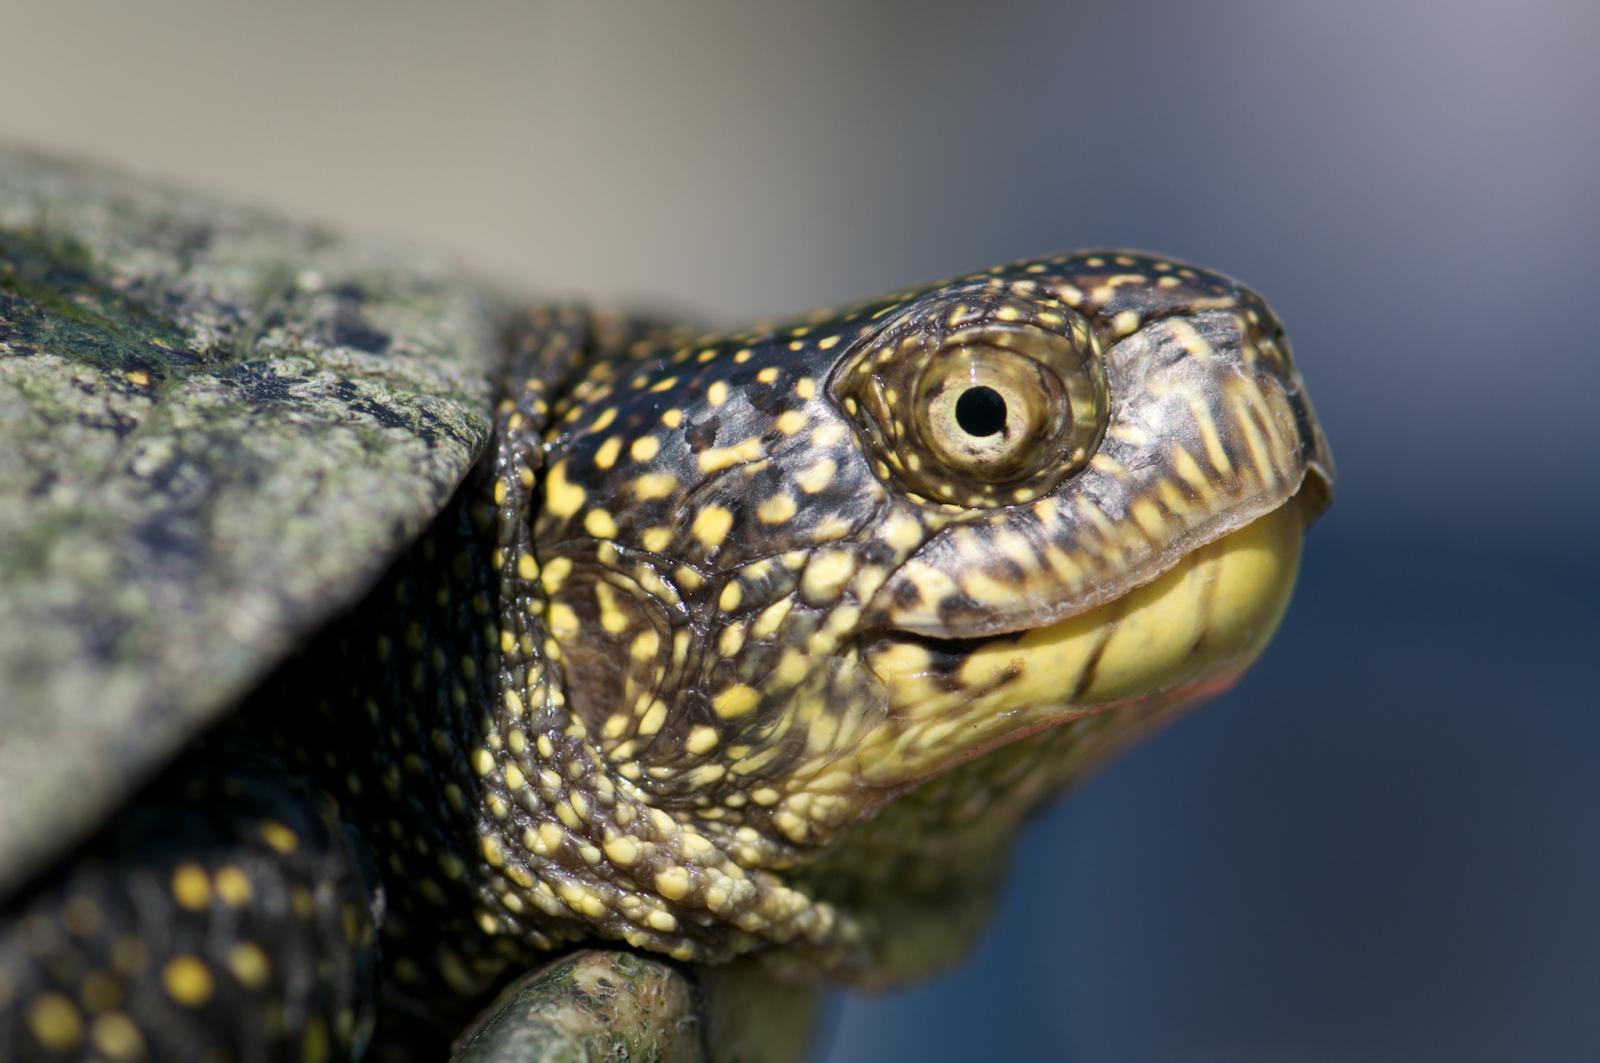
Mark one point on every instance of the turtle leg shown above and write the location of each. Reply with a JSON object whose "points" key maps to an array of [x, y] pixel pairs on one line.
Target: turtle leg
{"points": [[225, 914]]}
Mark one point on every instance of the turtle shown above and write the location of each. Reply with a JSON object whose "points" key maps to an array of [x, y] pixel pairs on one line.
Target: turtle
{"points": [[376, 640]]}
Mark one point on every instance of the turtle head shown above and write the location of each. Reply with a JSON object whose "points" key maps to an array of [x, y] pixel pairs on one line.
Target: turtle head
{"points": [[799, 575]]}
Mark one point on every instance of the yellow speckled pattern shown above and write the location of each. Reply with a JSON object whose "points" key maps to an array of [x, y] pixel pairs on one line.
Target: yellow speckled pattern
{"points": [[225, 913]]}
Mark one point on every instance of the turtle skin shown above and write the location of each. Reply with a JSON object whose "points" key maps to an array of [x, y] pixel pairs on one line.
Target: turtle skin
{"points": [[745, 647]]}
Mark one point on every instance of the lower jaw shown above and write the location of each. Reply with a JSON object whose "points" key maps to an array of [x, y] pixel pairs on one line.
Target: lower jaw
{"points": [[1181, 638]]}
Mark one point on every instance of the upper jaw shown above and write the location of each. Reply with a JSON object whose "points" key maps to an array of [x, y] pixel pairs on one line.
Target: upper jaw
{"points": [[921, 599]]}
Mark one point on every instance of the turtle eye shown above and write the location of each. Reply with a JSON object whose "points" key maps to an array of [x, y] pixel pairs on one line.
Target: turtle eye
{"points": [[988, 413], [979, 399]]}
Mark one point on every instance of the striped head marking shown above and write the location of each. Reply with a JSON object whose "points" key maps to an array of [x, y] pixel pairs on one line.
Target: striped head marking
{"points": [[794, 571]]}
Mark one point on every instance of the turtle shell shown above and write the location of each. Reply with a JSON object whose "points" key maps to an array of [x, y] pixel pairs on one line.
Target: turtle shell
{"points": [[216, 427]]}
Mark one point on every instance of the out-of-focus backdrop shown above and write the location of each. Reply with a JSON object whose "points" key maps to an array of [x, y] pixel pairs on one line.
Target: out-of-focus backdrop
{"points": [[1382, 846]]}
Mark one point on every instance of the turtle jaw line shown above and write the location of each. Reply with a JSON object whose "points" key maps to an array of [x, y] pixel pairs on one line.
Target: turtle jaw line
{"points": [[1204, 619], [1309, 499]]}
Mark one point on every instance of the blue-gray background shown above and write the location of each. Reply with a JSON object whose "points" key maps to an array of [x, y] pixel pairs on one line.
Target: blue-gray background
{"points": [[1382, 846]]}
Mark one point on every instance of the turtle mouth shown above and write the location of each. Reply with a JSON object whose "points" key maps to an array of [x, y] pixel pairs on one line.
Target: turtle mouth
{"points": [[1042, 595], [1198, 622]]}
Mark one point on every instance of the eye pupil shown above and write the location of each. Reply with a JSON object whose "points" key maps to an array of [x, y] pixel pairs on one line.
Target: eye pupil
{"points": [[981, 411]]}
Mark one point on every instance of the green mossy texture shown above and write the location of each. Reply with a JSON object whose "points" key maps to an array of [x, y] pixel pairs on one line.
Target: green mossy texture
{"points": [[216, 427]]}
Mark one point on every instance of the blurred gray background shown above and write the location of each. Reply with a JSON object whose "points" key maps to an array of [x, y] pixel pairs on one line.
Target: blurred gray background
{"points": [[1383, 845]]}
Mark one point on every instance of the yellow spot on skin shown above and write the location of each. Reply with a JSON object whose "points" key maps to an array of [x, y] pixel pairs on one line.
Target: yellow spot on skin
{"points": [[115, 1034], [816, 477], [653, 719], [1189, 469], [728, 600], [606, 456], [702, 739], [279, 837], [656, 539], [1146, 514], [645, 645], [187, 980], [718, 458], [563, 620], [190, 887], [492, 853], [826, 575], [515, 780], [138, 378], [662, 921], [555, 574], [562, 498], [482, 761], [644, 448], [772, 616], [717, 393], [829, 434], [1125, 323], [673, 883], [791, 669], [735, 701], [654, 485], [672, 418], [551, 837], [55, 1022], [791, 421], [711, 525], [622, 851], [768, 375], [603, 422], [233, 886], [902, 532], [1216, 453], [731, 640], [249, 964], [598, 523], [777, 509]]}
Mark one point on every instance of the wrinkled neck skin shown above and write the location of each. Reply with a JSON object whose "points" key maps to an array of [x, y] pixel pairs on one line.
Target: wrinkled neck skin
{"points": [[892, 869]]}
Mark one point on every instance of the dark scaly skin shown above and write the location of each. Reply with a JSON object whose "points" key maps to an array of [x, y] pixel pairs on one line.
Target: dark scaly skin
{"points": [[716, 657], [228, 889]]}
